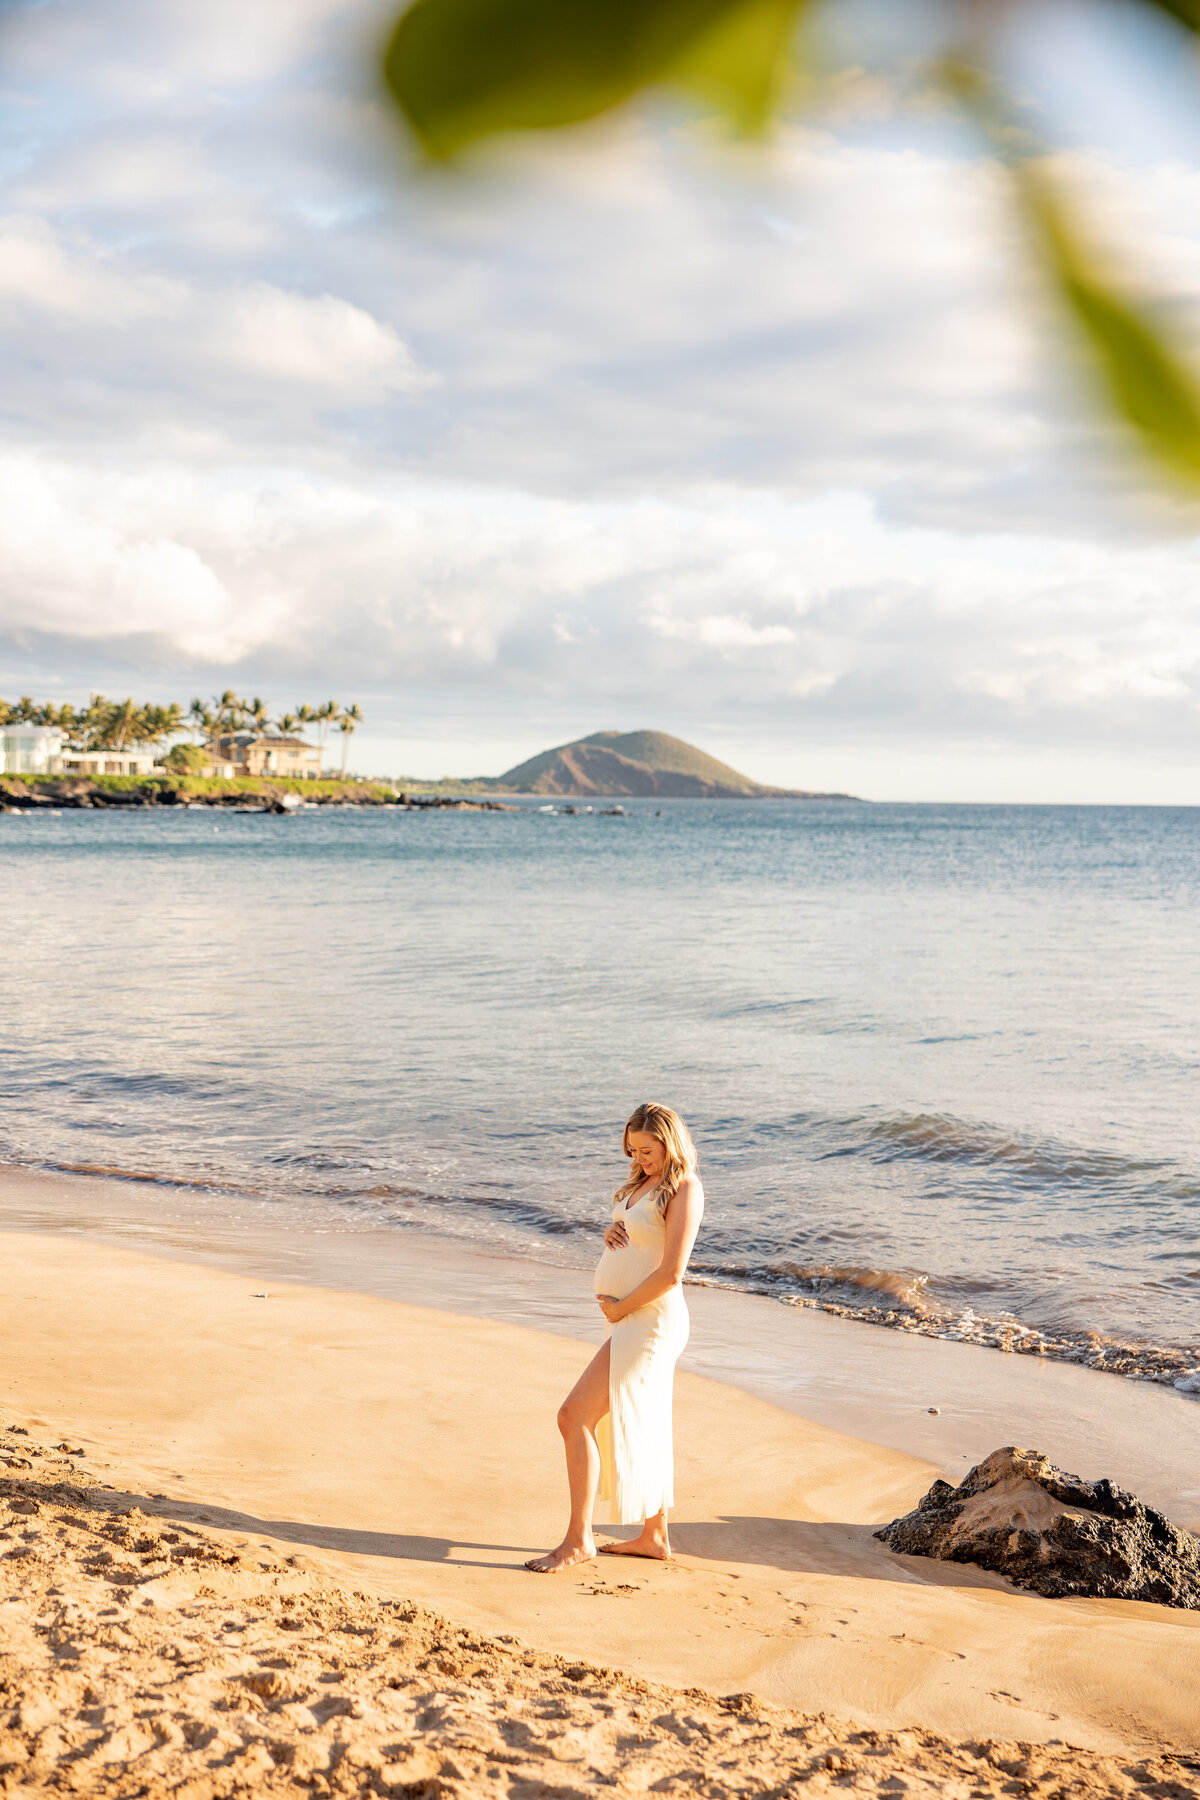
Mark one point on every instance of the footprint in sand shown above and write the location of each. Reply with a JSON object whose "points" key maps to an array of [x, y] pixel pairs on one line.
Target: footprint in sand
{"points": [[1004, 1698], [902, 1637]]}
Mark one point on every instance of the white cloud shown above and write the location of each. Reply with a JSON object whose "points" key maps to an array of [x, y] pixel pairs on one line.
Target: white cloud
{"points": [[319, 341], [141, 54], [840, 613], [50, 275], [137, 332], [723, 631]]}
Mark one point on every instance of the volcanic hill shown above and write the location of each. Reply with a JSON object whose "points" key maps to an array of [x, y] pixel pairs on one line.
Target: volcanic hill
{"points": [[633, 763]]}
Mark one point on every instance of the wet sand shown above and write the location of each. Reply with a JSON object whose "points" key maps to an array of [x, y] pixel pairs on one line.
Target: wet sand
{"points": [[410, 1454], [857, 1378]]}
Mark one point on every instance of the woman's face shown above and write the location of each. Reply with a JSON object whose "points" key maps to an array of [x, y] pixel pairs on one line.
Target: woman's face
{"points": [[648, 1154]]}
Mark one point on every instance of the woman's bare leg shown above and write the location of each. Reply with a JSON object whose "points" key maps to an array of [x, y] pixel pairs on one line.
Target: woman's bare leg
{"points": [[578, 1417], [651, 1541]]}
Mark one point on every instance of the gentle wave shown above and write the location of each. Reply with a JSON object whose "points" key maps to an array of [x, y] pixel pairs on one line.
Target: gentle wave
{"points": [[116, 1172], [540, 1219], [940, 1138], [384, 1202]]}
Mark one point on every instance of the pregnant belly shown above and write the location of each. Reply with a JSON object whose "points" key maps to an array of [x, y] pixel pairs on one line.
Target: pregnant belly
{"points": [[619, 1271]]}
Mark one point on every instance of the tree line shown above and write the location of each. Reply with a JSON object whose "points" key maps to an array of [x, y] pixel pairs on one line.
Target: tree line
{"points": [[118, 724]]}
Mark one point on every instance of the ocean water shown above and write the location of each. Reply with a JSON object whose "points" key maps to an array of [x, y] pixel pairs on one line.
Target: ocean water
{"points": [[941, 1062]]}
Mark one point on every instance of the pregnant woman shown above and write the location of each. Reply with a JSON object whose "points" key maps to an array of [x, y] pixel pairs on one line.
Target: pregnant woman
{"points": [[616, 1421]]}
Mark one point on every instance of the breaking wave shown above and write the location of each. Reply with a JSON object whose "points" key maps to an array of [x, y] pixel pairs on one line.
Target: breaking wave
{"points": [[901, 1301]]}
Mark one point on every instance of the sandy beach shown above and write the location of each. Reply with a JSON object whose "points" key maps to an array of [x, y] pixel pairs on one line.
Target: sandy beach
{"points": [[408, 1455]]}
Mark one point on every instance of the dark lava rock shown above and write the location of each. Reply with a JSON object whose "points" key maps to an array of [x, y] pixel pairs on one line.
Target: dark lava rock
{"points": [[1055, 1533], [15, 796]]}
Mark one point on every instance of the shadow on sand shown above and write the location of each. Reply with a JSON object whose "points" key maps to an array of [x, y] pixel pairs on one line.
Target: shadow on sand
{"points": [[802, 1547], [791, 1546]]}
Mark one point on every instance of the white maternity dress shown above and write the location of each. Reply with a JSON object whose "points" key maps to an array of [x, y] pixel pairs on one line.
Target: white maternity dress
{"points": [[637, 1463]]}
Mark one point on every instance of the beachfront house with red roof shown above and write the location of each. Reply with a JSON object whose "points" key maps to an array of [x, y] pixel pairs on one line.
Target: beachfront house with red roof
{"points": [[234, 753]]}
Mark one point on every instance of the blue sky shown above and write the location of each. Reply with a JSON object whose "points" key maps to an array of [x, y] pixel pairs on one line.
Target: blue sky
{"points": [[781, 453]]}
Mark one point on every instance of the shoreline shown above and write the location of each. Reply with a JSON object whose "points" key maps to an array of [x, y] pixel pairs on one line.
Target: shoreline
{"points": [[822, 1362], [329, 1428], [1165, 1365], [52, 794]]}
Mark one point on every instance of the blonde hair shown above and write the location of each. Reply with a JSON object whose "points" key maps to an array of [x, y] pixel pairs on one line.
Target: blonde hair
{"points": [[662, 1123]]}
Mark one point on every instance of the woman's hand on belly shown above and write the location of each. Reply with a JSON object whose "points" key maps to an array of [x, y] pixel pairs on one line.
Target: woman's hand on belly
{"points": [[616, 1237], [613, 1309]]}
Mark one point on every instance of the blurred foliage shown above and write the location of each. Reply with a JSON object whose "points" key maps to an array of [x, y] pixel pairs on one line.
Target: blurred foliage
{"points": [[467, 69], [1148, 383], [101, 724], [1186, 11], [118, 724], [186, 759], [463, 71]]}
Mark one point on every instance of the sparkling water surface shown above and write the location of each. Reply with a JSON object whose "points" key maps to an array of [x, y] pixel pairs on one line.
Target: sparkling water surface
{"points": [[938, 1060]]}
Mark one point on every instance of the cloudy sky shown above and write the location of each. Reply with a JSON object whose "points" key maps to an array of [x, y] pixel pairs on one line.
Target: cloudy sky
{"points": [[777, 453]]}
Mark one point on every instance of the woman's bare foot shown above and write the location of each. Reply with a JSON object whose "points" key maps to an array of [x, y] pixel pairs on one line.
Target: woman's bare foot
{"points": [[565, 1557], [648, 1543]]}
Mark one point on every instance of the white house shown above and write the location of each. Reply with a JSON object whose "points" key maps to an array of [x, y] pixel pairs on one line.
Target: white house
{"points": [[109, 762], [40, 750], [31, 750]]}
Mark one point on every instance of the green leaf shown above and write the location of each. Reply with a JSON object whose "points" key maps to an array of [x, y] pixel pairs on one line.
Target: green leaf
{"points": [[1186, 11], [463, 70], [739, 63], [1148, 380]]}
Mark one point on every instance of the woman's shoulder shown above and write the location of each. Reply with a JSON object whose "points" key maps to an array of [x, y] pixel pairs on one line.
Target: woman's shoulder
{"points": [[691, 1188]]}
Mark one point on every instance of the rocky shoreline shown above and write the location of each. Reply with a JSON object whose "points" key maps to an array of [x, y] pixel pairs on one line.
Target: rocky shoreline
{"points": [[76, 794]]}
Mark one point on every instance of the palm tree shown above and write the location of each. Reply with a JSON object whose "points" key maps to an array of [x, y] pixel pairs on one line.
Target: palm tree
{"points": [[322, 717], [349, 720], [122, 724], [306, 715], [92, 721], [25, 711], [203, 722], [258, 711], [287, 723], [158, 722], [231, 711]]}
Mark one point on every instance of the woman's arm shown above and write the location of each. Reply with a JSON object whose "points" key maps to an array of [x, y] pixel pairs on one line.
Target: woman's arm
{"points": [[684, 1213]]}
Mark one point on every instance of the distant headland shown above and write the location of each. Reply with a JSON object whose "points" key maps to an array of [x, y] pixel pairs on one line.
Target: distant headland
{"points": [[629, 764]]}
